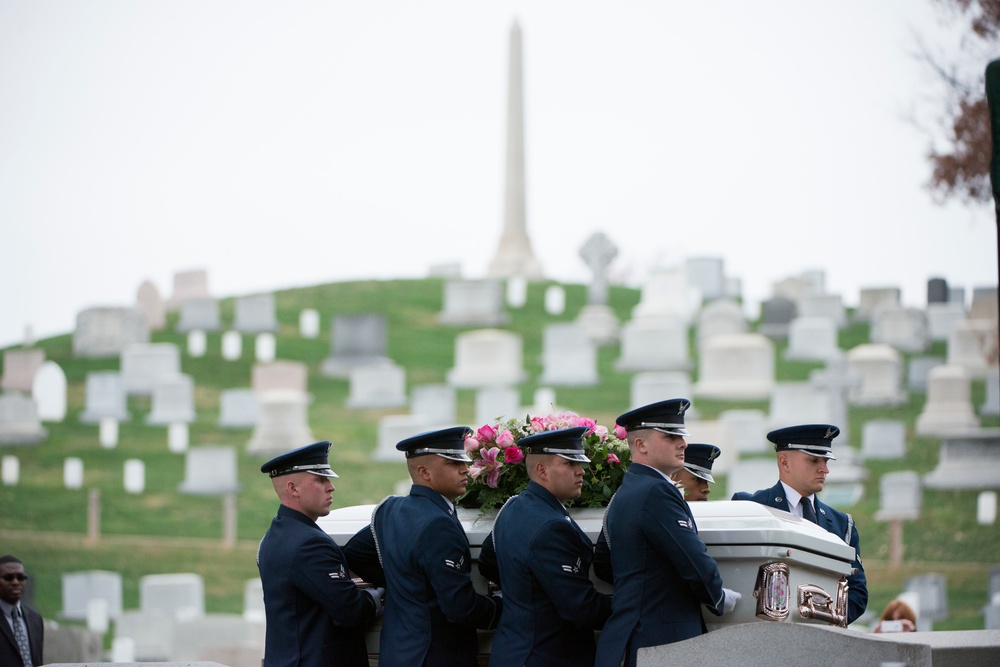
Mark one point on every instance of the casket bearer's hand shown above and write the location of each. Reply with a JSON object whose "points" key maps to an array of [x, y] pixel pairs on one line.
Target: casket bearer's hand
{"points": [[377, 595], [732, 597]]}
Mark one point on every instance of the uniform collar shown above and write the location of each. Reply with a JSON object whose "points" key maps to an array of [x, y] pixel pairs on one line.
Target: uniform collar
{"points": [[794, 498]]}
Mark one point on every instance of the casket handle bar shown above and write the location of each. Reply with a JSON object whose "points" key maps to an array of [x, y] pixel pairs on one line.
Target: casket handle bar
{"points": [[772, 592]]}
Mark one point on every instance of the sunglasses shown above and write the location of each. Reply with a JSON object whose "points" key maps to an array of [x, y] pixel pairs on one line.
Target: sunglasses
{"points": [[12, 577]]}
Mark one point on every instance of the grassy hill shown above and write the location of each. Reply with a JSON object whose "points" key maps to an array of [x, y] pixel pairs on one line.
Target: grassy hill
{"points": [[164, 531]]}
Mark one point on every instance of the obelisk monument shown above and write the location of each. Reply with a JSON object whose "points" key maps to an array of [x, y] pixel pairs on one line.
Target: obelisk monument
{"points": [[514, 257]]}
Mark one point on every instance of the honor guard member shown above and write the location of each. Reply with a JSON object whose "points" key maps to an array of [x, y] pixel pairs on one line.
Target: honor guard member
{"points": [[315, 613], [432, 609], [802, 453], [663, 574], [696, 474], [551, 608]]}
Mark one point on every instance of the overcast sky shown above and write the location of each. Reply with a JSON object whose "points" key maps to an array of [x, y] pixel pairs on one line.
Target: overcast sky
{"points": [[278, 144]]}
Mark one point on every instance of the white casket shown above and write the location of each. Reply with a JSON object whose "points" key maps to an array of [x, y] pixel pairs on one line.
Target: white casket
{"points": [[788, 569]]}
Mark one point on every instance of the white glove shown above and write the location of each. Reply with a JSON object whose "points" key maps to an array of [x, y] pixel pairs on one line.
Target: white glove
{"points": [[732, 597], [376, 594]]}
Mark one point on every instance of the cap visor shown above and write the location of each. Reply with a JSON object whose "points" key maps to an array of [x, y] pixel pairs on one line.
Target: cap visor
{"points": [[322, 472], [457, 456], [579, 458]]}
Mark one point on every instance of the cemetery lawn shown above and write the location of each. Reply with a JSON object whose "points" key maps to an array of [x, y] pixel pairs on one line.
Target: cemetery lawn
{"points": [[164, 531]]}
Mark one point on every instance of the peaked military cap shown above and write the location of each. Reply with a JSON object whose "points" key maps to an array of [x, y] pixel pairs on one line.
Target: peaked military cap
{"points": [[698, 460], [312, 458], [565, 442], [447, 443], [815, 439], [665, 416]]}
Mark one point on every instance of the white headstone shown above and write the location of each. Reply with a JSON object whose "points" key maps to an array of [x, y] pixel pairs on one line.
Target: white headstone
{"points": [[903, 328], [707, 274], [949, 402], [932, 590], [973, 344], [178, 437], [150, 304], [497, 403], [801, 403], [108, 432], [144, 364], [435, 402], [282, 422], [597, 253], [880, 370], [190, 284], [667, 294], [255, 314], [967, 460], [486, 357], [292, 375], [655, 386], [751, 475], [264, 347], [73, 472], [181, 596], [19, 423], [991, 404], [473, 303], [237, 408], [10, 470], [135, 476], [544, 402], [253, 601], [736, 367], [517, 291], [901, 496], [392, 429], [918, 371], [555, 300], [824, 305], [232, 345], [883, 439], [210, 471], [871, 299], [123, 649], [812, 339], [749, 430], [97, 615], [654, 344], [197, 343], [986, 508], [569, 357], [378, 386], [356, 340], [719, 318], [49, 391], [942, 318], [148, 635], [173, 400], [106, 332], [200, 313], [309, 323], [81, 588]]}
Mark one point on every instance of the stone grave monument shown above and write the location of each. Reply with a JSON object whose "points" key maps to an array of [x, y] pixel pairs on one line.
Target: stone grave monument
{"points": [[197, 343], [199, 314], [180, 596], [485, 358], [991, 404], [105, 398], [654, 344], [937, 290], [255, 314], [19, 423], [555, 300], [517, 292], [237, 408], [871, 299], [191, 284], [106, 332], [232, 345], [569, 356], [812, 339], [496, 404], [654, 386], [973, 344], [748, 429], [393, 428], [932, 593], [309, 323], [918, 371], [264, 346], [150, 304], [824, 305], [79, 588], [377, 386], [144, 365], [880, 370], [667, 294], [984, 304], [473, 303], [49, 391], [434, 402], [19, 368], [708, 276], [883, 439], [356, 340], [736, 367], [210, 470], [273, 375], [949, 402], [903, 328], [776, 315], [719, 318], [942, 318], [173, 400], [282, 422], [967, 460], [597, 318]]}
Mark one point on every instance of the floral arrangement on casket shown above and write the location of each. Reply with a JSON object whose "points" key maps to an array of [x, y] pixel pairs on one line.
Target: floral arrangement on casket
{"points": [[498, 472]]}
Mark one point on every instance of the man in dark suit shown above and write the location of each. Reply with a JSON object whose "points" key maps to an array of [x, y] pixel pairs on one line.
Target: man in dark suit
{"points": [[663, 574], [802, 453], [22, 628], [315, 613], [541, 558], [416, 544]]}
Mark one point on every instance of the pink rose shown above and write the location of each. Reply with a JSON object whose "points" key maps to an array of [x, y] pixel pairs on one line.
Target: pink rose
{"points": [[601, 432], [471, 444], [586, 422], [613, 459], [505, 439], [486, 433], [538, 425], [513, 454], [620, 432]]}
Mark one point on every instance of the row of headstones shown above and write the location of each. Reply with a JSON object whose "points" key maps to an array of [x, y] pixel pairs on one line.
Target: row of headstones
{"points": [[208, 470], [927, 595], [171, 623]]}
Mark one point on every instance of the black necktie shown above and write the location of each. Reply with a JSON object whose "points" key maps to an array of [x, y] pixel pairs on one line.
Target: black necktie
{"points": [[808, 513]]}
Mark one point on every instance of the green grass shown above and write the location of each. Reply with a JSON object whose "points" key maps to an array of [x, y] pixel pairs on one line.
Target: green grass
{"points": [[162, 530]]}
